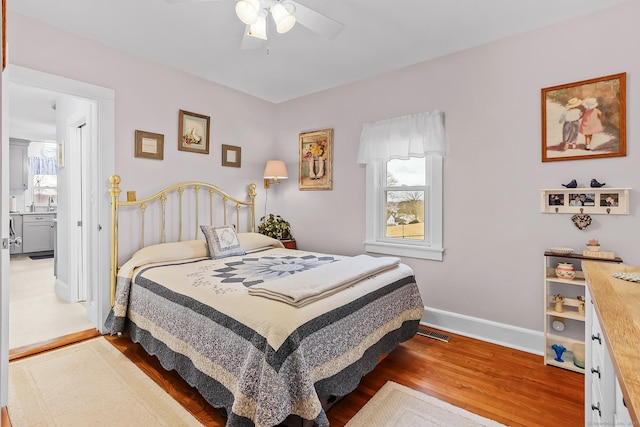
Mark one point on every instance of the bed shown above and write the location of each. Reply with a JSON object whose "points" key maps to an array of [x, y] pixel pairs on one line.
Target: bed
{"points": [[264, 333]]}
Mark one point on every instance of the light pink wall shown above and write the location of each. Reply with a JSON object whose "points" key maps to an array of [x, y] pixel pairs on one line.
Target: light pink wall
{"points": [[148, 97], [494, 233]]}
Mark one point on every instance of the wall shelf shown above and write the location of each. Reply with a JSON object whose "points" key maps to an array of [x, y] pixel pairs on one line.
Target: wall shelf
{"points": [[603, 200]]}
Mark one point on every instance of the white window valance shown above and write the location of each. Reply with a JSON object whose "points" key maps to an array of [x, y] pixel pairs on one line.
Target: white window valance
{"points": [[415, 135]]}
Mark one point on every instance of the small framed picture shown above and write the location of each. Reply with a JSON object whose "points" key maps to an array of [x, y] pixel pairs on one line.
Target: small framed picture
{"points": [[556, 199], [231, 156], [149, 145], [609, 200], [193, 132]]}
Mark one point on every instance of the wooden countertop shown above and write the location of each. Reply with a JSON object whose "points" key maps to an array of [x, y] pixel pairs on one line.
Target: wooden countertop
{"points": [[617, 304]]}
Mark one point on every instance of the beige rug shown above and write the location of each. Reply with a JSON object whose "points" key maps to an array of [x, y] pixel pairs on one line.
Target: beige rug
{"points": [[396, 405], [88, 384]]}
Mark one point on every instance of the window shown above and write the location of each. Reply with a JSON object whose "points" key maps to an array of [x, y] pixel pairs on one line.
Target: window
{"points": [[403, 195], [404, 216], [404, 185], [45, 189]]}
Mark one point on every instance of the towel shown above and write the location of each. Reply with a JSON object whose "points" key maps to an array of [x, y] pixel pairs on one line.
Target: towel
{"points": [[311, 285]]}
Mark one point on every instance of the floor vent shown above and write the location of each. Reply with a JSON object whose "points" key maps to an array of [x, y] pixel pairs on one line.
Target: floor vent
{"points": [[435, 335]]}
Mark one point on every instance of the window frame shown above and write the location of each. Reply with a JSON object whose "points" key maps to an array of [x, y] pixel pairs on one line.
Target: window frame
{"points": [[431, 247]]}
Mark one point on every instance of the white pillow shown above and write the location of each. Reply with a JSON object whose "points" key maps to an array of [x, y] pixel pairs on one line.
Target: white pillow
{"points": [[222, 241], [253, 241]]}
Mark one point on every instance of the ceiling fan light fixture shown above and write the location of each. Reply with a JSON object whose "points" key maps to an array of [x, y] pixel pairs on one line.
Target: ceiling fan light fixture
{"points": [[283, 16], [259, 28], [248, 10]]}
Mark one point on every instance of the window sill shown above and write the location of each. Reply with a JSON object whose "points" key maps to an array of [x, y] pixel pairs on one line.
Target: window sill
{"points": [[410, 251]]}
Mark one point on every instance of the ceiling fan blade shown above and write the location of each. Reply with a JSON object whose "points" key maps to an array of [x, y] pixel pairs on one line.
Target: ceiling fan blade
{"points": [[317, 22]]}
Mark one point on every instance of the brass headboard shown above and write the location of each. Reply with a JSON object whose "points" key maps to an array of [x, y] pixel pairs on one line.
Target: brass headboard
{"points": [[162, 197]]}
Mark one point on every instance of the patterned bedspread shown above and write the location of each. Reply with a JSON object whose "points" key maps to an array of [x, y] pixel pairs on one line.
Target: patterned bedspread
{"points": [[257, 358]]}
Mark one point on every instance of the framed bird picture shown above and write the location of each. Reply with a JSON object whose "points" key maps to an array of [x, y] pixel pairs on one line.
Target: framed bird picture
{"points": [[585, 119], [193, 132]]}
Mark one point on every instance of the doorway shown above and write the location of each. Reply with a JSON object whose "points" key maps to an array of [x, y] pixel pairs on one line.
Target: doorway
{"points": [[85, 115]]}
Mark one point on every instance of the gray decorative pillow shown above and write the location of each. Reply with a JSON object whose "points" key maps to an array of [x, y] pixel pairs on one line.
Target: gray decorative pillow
{"points": [[222, 241]]}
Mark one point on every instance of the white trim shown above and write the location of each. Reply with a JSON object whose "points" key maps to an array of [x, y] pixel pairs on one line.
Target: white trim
{"points": [[502, 334], [411, 251]]}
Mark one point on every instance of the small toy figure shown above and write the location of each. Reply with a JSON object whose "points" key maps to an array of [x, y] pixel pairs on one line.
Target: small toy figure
{"points": [[558, 299], [581, 305]]}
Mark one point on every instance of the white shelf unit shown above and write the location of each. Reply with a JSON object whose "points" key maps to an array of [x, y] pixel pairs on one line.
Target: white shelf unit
{"points": [[574, 321], [601, 200]]}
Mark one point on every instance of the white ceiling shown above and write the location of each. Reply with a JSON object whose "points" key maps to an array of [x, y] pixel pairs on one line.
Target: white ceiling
{"points": [[203, 37]]}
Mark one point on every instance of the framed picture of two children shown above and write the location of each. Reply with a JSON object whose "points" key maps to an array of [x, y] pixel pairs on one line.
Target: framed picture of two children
{"points": [[584, 120]]}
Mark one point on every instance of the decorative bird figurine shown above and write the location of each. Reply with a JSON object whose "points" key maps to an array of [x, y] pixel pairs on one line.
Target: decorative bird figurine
{"points": [[573, 184], [596, 184]]}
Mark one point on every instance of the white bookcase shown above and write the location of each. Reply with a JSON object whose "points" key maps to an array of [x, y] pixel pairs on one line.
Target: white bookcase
{"points": [[571, 319]]}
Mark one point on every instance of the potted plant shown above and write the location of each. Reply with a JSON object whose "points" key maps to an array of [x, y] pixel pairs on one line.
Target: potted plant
{"points": [[275, 226], [593, 245]]}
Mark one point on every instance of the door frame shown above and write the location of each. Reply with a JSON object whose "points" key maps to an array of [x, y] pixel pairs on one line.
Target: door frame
{"points": [[103, 166]]}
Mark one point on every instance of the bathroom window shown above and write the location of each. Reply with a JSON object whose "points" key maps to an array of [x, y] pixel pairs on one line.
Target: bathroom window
{"points": [[45, 189]]}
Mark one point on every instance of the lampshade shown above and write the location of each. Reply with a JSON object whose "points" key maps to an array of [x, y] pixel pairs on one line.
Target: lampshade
{"points": [[283, 16], [259, 28], [275, 169], [247, 10]]}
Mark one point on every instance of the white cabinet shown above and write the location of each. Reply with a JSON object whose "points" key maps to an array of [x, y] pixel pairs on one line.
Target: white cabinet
{"points": [[621, 416], [599, 375], [19, 164], [564, 322], [603, 400], [38, 233]]}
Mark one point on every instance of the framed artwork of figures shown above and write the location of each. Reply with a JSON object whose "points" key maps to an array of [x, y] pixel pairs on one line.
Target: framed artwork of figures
{"points": [[584, 120]]}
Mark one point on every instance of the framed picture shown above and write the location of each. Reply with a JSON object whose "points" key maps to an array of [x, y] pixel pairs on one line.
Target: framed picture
{"points": [[587, 200], [193, 132], [584, 120], [149, 145], [231, 156], [316, 157]]}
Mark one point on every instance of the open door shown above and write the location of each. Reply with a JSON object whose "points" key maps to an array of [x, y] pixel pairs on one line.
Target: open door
{"points": [[4, 218]]}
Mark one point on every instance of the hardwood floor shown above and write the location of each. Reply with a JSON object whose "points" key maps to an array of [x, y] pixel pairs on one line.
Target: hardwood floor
{"points": [[509, 386]]}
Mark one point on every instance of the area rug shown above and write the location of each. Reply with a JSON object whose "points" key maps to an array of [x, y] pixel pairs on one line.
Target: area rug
{"points": [[37, 257], [88, 384], [396, 405]]}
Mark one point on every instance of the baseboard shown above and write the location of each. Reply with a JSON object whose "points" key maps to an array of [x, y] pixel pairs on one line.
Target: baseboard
{"points": [[63, 290], [498, 333]]}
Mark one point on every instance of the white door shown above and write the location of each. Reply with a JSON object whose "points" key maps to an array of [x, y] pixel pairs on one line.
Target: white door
{"points": [[80, 156], [4, 257]]}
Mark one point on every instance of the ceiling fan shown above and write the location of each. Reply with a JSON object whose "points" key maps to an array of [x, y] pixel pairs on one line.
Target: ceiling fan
{"points": [[284, 13]]}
